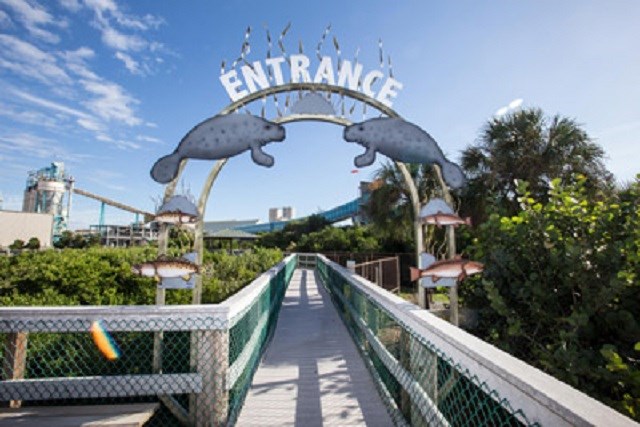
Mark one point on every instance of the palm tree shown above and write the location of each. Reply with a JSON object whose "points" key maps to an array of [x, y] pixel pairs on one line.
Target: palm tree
{"points": [[526, 146], [389, 206]]}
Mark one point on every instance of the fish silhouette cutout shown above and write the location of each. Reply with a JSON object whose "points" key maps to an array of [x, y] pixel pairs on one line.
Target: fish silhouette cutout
{"points": [[403, 142], [177, 210], [440, 219], [221, 137], [456, 268], [165, 267], [427, 259]]}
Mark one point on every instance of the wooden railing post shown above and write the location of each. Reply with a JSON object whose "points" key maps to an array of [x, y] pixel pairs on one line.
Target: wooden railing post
{"points": [[211, 405], [15, 360]]}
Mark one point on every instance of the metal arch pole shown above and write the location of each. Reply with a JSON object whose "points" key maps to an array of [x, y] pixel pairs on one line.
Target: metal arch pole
{"points": [[198, 243], [454, 316], [417, 227]]}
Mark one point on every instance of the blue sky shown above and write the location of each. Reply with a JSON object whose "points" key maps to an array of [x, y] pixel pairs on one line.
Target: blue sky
{"points": [[109, 86]]}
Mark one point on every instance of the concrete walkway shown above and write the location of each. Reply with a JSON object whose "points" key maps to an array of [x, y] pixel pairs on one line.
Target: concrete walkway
{"points": [[312, 374]]}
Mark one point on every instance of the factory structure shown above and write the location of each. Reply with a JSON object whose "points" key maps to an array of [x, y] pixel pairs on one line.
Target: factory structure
{"points": [[47, 192], [46, 207]]}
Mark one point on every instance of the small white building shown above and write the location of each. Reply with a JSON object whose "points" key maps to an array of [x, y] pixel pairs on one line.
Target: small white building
{"points": [[286, 213], [24, 226]]}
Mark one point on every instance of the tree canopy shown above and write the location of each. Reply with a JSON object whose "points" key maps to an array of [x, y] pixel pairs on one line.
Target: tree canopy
{"points": [[527, 146]]}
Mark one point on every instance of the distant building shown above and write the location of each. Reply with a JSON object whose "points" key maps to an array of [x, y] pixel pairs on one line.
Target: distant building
{"points": [[25, 225], [124, 235], [45, 193], [286, 213]]}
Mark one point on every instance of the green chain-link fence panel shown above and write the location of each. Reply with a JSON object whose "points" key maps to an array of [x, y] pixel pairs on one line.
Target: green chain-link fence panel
{"points": [[199, 372], [249, 335], [420, 384], [64, 367]]}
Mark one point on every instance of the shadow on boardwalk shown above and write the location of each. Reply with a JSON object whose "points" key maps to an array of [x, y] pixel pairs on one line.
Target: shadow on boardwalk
{"points": [[312, 373]]}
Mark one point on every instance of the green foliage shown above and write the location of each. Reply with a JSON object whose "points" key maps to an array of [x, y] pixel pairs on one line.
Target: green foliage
{"points": [[560, 288], [226, 274], [290, 235], [33, 244], [102, 276], [181, 239], [348, 239], [95, 276], [17, 245], [389, 207], [527, 146], [68, 239]]}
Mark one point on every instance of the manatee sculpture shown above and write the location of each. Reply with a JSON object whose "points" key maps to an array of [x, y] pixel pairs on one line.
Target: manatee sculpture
{"points": [[220, 137], [401, 141]]}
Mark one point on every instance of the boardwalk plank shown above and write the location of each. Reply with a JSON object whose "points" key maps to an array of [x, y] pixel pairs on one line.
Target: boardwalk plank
{"points": [[311, 373]]}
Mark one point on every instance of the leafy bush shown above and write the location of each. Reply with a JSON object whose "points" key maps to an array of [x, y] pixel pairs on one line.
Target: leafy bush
{"points": [[287, 238], [102, 276], [351, 239], [560, 288]]}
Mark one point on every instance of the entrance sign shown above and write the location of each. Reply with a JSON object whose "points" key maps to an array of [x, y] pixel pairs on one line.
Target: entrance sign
{"points": [[297, 67], [314, 89]]}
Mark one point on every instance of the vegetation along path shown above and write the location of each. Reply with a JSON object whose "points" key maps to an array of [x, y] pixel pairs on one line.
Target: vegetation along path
{"points": [[311, 373]]}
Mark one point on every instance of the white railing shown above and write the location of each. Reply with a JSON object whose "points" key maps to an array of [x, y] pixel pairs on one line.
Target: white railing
{"points": [[538, 397], [205, 373]]}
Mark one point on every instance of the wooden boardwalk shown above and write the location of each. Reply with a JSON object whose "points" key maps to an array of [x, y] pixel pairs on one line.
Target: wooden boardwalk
{"points": [[312, 374]]}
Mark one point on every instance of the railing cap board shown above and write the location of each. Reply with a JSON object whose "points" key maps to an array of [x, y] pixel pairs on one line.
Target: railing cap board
{"points": [[238, 302], [115, 318], [540, 396]]}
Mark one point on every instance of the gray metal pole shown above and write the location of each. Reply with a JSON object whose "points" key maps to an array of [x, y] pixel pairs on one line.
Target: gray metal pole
{"points": [[417, 227], [451, 249]]}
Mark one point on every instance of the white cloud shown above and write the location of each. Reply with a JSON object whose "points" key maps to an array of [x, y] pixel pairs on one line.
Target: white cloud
{"points": [[122, 32], [104, 7], [90, 124], [131, 64], [33, 16], [100, 6], [51, 105], [122, 144], [27, 60], [71, 5], [29, 117], [76, 62], [513, 105], [120, 41], [502, 111], [151, 139], [111, 102], [30, 145]]}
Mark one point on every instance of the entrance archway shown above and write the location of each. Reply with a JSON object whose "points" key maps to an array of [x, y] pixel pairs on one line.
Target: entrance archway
{"points": [[322, 89]]}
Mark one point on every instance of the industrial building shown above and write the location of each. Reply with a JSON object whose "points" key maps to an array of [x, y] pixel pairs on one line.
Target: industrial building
{"points": [[45, 193], [136, 234], [46, 208]]}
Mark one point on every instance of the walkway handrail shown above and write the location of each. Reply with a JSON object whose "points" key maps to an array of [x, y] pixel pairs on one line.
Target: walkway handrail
{"points": [[209, 351], [376, 314]]}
